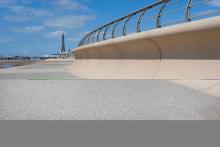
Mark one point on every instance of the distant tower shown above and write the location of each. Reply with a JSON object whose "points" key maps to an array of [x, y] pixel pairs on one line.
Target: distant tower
{"points": [[63, 44]]}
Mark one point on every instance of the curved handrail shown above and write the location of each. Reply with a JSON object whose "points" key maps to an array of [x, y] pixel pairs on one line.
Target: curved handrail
{"points": [[95, 35]]}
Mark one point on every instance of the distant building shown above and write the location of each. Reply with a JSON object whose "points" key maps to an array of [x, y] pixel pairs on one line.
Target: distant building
{"points": [[52, 56], [65, 55]]}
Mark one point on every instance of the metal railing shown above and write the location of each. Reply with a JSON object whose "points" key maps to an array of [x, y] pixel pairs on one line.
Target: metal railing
{"points": [[157, 15]]}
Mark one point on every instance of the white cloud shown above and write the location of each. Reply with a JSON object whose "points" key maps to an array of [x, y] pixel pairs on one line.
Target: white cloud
{"points": [[74, 39], [29, 29], [6, 2], [16, 18], [215, 3], [34, 28], [20, 13], [15, 2], [58, 4], [69, 21], [26, 2], [66, 4], [27, 11], [69, 4], [41, 13], [55, 34], [18, 8], [4, 40]]}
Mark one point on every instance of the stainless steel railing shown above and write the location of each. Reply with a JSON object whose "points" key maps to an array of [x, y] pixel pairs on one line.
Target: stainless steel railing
{"points": [[159, 14]]}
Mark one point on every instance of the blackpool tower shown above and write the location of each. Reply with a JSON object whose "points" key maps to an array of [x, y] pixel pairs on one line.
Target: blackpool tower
{"points": [[63, 44]]}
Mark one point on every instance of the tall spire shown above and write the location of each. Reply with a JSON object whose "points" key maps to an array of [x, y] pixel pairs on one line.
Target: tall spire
{"points": [[63, 43]]}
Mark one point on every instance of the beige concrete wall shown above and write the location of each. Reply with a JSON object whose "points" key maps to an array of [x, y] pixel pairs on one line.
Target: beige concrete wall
{"points": [[185, 51]]}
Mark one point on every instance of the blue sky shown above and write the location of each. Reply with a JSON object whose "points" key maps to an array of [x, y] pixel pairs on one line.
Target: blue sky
{"points": [[34, 27]]}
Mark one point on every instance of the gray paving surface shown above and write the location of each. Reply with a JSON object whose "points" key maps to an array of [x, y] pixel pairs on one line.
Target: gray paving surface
{"points": [[37, 71], [99, 99]]}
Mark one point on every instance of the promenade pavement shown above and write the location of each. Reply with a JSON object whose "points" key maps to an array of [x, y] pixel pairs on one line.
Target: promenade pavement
{"points": [[47, 91]]}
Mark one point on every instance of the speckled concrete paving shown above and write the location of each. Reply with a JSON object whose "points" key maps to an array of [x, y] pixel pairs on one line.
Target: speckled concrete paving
{"points": [[66, 97]]}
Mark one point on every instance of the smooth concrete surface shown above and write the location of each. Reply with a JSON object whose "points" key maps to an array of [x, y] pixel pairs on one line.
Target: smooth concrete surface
{"points": [[189, 51]]}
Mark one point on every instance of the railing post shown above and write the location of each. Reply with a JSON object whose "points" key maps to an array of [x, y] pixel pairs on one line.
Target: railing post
{"points": [[93, 36], [125, 26], [187, 15], [80, 43], [97, 39], [139, 21], [160, 12], [88, 39], [83, 40], [106, 29], [113, 30]]}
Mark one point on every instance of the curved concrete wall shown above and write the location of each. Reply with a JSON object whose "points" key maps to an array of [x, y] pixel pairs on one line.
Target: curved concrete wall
{"points": [[185, 51]]}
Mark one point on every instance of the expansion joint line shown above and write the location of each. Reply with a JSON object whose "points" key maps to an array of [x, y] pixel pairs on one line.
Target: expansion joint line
{"points": [[122, 55], [160, 54], [158, 47], [88, 54], [101, 55]]}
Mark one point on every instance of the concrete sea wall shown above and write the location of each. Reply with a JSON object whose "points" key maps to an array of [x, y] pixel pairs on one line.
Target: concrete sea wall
{"points": [[184, 51]]}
